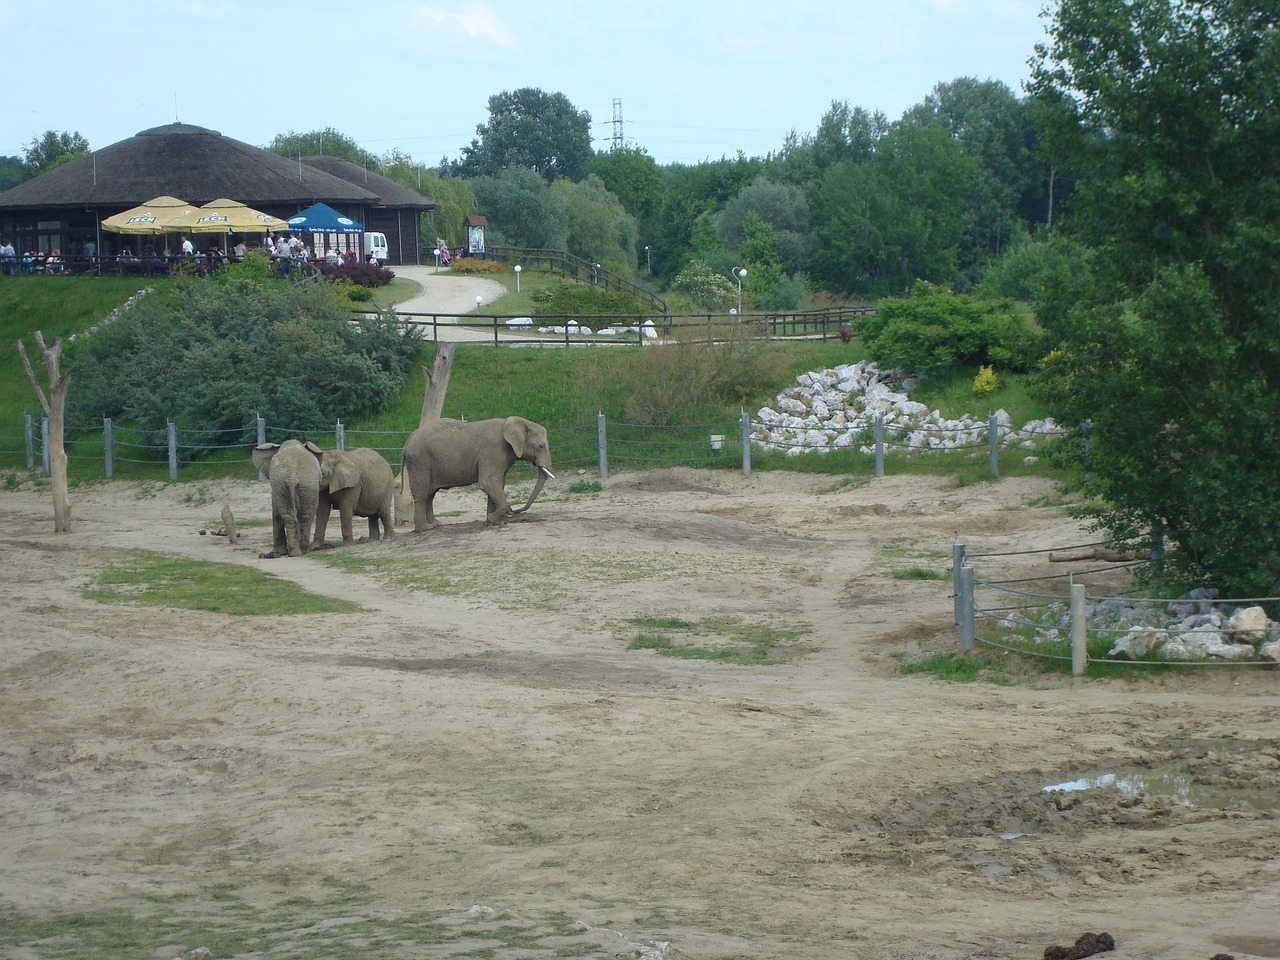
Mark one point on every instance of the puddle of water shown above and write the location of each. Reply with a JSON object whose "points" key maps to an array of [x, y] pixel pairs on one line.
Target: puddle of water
{"points": [[1171, 783]]}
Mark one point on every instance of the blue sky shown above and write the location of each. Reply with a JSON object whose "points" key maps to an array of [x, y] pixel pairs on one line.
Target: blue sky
{"points": [[696, 81]]}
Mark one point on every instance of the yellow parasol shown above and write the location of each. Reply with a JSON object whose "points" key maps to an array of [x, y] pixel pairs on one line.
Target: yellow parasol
{"points": [[147, 217], [224, 216]]}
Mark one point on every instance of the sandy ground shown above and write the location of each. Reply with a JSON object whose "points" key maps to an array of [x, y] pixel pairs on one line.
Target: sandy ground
{"points": [[477, 766]]}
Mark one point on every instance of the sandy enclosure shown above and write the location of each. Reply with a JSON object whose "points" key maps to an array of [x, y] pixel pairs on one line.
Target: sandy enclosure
{"points": [[475, 765]]}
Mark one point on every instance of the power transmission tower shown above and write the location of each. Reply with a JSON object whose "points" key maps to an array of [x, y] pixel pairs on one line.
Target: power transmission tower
{"points": [[618, 141]]}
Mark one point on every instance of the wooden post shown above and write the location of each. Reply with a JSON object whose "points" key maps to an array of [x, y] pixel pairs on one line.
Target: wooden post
{"points": [[993, 440], [1079, 631], [602, 445], [173, 450], [53, 405], [108, 447], [746, 444], [879, 446], [437, 383]]}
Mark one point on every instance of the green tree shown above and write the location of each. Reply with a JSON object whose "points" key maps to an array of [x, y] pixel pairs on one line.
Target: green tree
{"points": [[454, 196], [1164, 112], [897, 218], [599, 229], [323, 143], [53, 149], [522, 210], [782, 207], [12, 172], [528, 128], [632, 176]]}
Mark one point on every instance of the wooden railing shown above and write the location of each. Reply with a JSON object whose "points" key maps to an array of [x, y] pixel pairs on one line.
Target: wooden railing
{"points": [[569, 265]]}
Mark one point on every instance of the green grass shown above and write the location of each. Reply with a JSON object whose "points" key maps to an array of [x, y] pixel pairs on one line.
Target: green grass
{"points": [[918, 573], [956, 668], [717, 639], [163, 580]]}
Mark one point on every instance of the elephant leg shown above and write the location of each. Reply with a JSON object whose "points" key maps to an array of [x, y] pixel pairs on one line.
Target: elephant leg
{"points": [[386, 517], [499, 509], [292, 532], [344, 515], [279, 540], [322, 524]]}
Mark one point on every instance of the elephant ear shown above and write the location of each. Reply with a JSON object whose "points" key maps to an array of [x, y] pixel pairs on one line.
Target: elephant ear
{"points": [[262, 455], [344, 474], [314, 451], [515, 431]]}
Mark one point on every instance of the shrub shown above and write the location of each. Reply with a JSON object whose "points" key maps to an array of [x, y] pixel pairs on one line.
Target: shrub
{"points": [[585, 299], [984, 382], [705, 287], [473, 265], [357, 271], [213, 355], [934, 330]]}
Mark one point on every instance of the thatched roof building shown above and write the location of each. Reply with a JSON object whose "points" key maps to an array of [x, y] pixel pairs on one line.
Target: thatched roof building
{"points": [[64, 207]]}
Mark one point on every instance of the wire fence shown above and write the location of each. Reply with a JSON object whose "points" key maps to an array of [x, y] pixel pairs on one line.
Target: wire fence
{"points": [[172, 450], [1070, 617]]}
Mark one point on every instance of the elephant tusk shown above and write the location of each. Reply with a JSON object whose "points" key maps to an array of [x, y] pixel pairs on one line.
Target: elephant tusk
{"points": [[549, 474]]}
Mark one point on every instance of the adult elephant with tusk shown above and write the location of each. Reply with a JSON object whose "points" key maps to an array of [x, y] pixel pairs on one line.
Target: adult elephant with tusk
{"points": [[447, 453]]}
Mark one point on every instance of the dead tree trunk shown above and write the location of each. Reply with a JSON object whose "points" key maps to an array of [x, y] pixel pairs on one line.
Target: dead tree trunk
{"points": [[53, 406], [437, 383]]}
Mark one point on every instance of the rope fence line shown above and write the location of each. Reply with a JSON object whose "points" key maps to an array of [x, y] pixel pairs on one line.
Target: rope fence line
{"points": [[1081, 621]]}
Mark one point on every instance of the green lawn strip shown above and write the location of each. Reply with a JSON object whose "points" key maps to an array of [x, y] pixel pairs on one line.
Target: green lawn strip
{"points": [[733, 640], [164, 580]]}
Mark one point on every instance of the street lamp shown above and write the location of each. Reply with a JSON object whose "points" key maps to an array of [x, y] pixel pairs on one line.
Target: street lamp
{"points": [[738, 274], [437, 253], [648, 263], [479, 300], [517, 278]]}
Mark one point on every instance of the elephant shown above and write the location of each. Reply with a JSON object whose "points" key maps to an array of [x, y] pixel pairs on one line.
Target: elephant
{"points": [[359, 483], [448, 453], [293, 467]]}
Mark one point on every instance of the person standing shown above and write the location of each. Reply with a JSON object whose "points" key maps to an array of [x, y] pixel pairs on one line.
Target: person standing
{"points": [[188, 248], [9, 259]]}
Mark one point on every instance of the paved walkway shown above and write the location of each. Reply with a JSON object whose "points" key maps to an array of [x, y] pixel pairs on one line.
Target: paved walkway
{"points": [[449, 297]]}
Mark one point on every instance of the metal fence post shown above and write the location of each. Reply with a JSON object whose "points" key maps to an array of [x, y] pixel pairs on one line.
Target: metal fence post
{"points": [[262, 438], [108, 447], [340, 436], [879, 446], [602, 445], [746, 444], [958, 560], [1079, 631], [173, 450], [29, 439], [44, 446], [993, 441], [968, 634]]}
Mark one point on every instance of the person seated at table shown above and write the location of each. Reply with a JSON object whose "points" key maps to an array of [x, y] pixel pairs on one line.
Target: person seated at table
{"points": [[30, 262], [53, 263]]}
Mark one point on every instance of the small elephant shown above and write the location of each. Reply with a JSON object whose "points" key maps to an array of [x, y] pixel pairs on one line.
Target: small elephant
{"points": [[293, 467], [452, 453], [359, 483]]}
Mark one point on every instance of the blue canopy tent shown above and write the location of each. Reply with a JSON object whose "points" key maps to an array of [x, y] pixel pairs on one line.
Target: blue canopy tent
{"points": [[322, 218], [326, 226]]}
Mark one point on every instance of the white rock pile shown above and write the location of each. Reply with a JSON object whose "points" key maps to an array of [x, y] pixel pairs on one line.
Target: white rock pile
{"points": [[832, 409], [1193, 627]]}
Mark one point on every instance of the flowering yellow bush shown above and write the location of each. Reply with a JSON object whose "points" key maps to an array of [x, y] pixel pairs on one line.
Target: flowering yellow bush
{"points": [[985, 381]]}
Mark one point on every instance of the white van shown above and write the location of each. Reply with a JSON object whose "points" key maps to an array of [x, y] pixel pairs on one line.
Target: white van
{"points": [[376, 244]]}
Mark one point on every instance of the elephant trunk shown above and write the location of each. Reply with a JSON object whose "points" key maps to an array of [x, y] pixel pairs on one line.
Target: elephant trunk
{"points": [[543, 474]]}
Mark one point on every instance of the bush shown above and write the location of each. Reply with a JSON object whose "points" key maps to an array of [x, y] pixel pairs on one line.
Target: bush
{"points": [[934, 330], [584, 299], [474, 265], [211, 356], [357, 271]]}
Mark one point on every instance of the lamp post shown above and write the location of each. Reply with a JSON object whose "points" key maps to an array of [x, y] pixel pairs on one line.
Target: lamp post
{"points": [[437, 253], [479, 300], [648, 263], [517, 278], [738, 274]]}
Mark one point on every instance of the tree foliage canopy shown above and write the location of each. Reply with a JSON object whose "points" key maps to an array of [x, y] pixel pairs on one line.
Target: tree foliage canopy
{"points": [[1165, 111], [323, 143], [52, 149], [529, 128]]}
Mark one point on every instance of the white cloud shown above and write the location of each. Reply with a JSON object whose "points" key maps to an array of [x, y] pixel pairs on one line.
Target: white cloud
{"points": [[473, 21]]}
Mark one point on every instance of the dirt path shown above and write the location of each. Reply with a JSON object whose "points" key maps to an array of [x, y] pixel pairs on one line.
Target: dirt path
{"points": [[477, 766]]}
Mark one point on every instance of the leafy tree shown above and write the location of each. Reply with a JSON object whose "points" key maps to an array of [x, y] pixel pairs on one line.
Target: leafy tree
{"points": [[767, 283], [1033, 267], [53, 149], [895, 219], [528, 128], [323, 143], [780, 206], [994, 128], [599, 229], [844, 134], [454, 196], [521, 209], [12, 172], [691, 197], [632, 176], [1164, 112]]}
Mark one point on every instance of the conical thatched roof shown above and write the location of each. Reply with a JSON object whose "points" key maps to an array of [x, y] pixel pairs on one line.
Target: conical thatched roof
{"points": [[184, 161], [393, 194]]}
